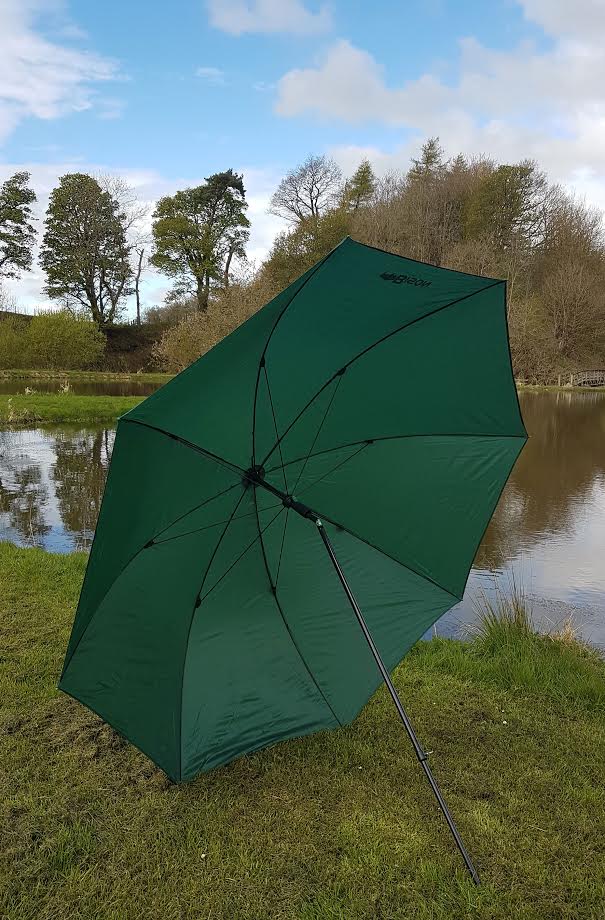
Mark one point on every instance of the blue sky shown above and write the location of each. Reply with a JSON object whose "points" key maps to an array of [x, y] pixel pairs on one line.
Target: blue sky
{"points": [[164, 94]]}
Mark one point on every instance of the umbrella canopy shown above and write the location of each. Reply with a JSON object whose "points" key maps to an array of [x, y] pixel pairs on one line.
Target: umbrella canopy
{"points": [[376, 391]]}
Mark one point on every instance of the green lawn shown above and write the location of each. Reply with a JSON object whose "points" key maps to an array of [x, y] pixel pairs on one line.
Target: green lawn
{"points": [[63, 407], [337, 826]]}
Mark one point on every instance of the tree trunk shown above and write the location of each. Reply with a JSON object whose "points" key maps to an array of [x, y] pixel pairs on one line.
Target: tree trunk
{"points": [[228, 266], [137, 280], [203, 292]]}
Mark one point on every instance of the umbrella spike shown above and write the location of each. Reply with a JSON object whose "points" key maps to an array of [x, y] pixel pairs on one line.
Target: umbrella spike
{"points": [[421, 754]]}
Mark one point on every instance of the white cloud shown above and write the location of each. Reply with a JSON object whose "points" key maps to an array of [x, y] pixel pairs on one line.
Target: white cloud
{"points": [[39, 77], [580, 18], [149, 185], [290, 16], [525, 102], [213, 75], [349, 84]]}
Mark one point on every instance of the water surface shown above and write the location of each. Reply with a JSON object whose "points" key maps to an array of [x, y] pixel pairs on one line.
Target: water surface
{"points": [[548, 531], [13, 386]]}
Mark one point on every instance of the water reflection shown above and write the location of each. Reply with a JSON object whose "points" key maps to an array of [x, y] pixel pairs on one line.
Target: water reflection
{"points": [[559, 473], [13, 386], [548, 530], [51, 484]]}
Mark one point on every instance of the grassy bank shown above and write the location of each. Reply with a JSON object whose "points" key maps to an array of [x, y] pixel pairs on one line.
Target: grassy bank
{"points": [[338, 826], [548, 388], [63, 407], [87, 376]]}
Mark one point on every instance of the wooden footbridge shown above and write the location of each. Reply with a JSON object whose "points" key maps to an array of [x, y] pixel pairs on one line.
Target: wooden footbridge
{"points": [[588, 379]]}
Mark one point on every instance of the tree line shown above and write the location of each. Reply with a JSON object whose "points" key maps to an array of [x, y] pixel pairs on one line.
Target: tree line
{"points": [[470, 214], [94, 246]]}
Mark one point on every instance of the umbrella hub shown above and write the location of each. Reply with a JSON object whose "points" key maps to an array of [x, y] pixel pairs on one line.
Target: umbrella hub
{"points": [[254, 475]]}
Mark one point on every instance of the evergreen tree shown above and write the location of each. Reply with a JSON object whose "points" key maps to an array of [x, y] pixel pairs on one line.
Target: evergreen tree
{"points": [[17, 233], [198, 232], [360, 188]]}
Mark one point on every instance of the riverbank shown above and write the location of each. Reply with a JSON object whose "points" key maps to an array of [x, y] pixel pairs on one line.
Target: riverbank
{"points": [[49, 408], [86, 376], [336, 825]]}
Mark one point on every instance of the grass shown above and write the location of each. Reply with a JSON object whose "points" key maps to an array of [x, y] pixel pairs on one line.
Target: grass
{"points": [[337, 826], [553, 388], [36, 408], [89, 376]]}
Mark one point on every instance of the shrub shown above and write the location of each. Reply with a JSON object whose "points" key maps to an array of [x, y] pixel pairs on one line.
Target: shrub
{"points": [[59, 340], [12, 344], [197, 333]]}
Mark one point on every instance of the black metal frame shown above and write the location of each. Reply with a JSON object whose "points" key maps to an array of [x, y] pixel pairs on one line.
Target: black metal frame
{"points": [[421, 754]]}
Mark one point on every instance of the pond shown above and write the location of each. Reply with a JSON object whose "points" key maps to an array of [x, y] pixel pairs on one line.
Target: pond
{"points": [[548, 532], [10, 386]]}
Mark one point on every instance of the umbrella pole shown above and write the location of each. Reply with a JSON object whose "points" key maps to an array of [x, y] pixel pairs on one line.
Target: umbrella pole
{"points": [[421, 754]]}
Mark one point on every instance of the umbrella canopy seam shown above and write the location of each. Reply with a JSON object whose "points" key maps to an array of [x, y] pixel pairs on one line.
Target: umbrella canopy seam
{"points": [[188, 634]]}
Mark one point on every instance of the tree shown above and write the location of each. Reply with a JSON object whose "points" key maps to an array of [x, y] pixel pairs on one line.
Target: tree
{"points": [[308, 190], [359, 189], [507, 206], [139, 252], [134, 214], [175, 308], [430, 164], [296, 250], [17, 233], [197, 332], [85, 252], [199, 231], [59, 340]]}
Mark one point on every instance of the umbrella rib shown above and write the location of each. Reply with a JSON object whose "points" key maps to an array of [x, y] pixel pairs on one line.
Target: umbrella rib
{"points": [[317, 433], [281, 549], [325, 517], [200, 450], [374, 345], [188, 533], [261, 362], [241, 555], [281, 612], [275, 426], [191, 510], [334, 468], [131, 559], [399, 437]]}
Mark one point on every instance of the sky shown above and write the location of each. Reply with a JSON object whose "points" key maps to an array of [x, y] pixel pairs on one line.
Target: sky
{"points": [[164, 94]]}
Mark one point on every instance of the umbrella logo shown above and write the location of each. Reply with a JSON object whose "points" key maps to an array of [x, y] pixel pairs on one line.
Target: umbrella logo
{"points": [[405, 279]]}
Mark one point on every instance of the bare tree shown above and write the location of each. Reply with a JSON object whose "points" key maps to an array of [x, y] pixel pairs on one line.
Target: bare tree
{"points": [[140, 255], [308, 190], [136, 213], [573, 301]]}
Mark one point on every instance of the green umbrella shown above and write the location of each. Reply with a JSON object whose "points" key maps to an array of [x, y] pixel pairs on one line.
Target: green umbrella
{"points": [[368, 411]]}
